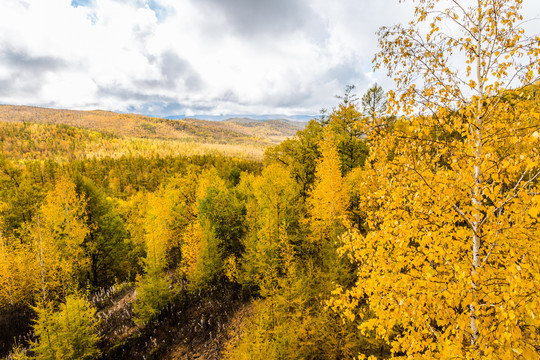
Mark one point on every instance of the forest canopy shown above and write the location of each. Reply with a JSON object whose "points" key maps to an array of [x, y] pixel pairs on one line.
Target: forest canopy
{"points": [[396, 225]]}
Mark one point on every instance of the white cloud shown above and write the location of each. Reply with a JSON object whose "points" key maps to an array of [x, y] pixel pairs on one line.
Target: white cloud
{"points": [[200, 56]]}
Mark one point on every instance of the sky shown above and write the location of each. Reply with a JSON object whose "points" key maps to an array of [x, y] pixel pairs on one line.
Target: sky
{"points": [[192, 57]]}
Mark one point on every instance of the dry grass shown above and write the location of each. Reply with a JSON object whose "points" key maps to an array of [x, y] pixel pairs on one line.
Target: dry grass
{"points": [[119, 147]]}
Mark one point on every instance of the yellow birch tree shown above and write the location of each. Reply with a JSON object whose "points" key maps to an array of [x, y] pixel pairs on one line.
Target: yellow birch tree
{"points": [[450, 266]]}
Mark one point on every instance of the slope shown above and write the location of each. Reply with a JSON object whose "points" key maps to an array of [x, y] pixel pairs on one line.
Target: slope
{"points": [[139, 126]]}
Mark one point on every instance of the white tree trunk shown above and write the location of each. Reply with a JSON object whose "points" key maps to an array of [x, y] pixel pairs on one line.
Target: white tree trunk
{"points": [[477, 173]]}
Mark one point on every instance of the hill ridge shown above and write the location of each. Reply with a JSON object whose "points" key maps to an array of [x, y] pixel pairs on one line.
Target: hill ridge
{"points": [[142, 126]]}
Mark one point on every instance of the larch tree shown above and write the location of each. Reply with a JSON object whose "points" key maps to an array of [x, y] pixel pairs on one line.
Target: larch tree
{"points": [[191, 248], [300, 155], [449, 265], [374, 102], [153, 289], [328, 201], [184, 213], [59, 232], [157, 229], [69, 333], [6, 287], [275, 196], [17, 271], [105, 245], [221, 216], [346, 123]]}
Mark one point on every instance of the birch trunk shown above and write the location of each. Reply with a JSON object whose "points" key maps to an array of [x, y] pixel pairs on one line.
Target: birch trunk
{"points": [[477, 189]]}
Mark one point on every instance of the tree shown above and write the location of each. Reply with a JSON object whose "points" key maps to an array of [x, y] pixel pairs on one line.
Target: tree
{"points": [[153, 294], [59, 232], [6, 287], [20, 196], [184, 214], [275, 216], [374, 102], [191, 248], [450, 261], [300, 155], [45, 329], [348, 97], [157, 229], [105, 244], [69, 333], [328, 200], [17, 272], [153, 290], [133, 214], [347, 126], [221, 215]]}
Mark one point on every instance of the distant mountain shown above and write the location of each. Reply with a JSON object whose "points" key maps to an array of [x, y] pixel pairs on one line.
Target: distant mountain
{"points": [[298, 118], [273, 130]]}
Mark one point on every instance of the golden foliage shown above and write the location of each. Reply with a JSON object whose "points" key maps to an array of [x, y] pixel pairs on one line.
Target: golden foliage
{"points": [[58, 235], [329, 199], [449, 264], [191, 248]]}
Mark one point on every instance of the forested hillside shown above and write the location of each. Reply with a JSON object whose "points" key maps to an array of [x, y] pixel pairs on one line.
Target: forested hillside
{"points": [[402, 225], [233, 131], [41, 133]]}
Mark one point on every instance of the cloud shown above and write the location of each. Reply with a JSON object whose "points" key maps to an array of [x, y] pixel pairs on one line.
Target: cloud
{"points": [[21, 60], [26, 72], [272, 18], [175, 72], [161, 57], [223, 56], [346, 73], [161, 11]]}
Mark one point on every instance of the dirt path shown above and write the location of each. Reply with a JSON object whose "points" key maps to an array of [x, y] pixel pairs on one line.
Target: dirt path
{"points": [[197, 326]]}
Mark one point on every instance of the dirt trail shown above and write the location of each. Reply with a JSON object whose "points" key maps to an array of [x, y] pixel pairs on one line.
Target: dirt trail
{"points": [[197, 326]]}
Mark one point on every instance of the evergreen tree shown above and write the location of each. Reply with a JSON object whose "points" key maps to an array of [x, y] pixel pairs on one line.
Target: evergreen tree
{"points": [[374, 102], [105, 244], [69, 333]]}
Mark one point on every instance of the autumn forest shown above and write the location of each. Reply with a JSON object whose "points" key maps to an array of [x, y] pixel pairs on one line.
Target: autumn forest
{"points": [[400, 224]]}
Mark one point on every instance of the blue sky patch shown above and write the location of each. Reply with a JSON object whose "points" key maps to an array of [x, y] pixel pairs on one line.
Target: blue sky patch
{"points": [[160, 11], [77, 3]]}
